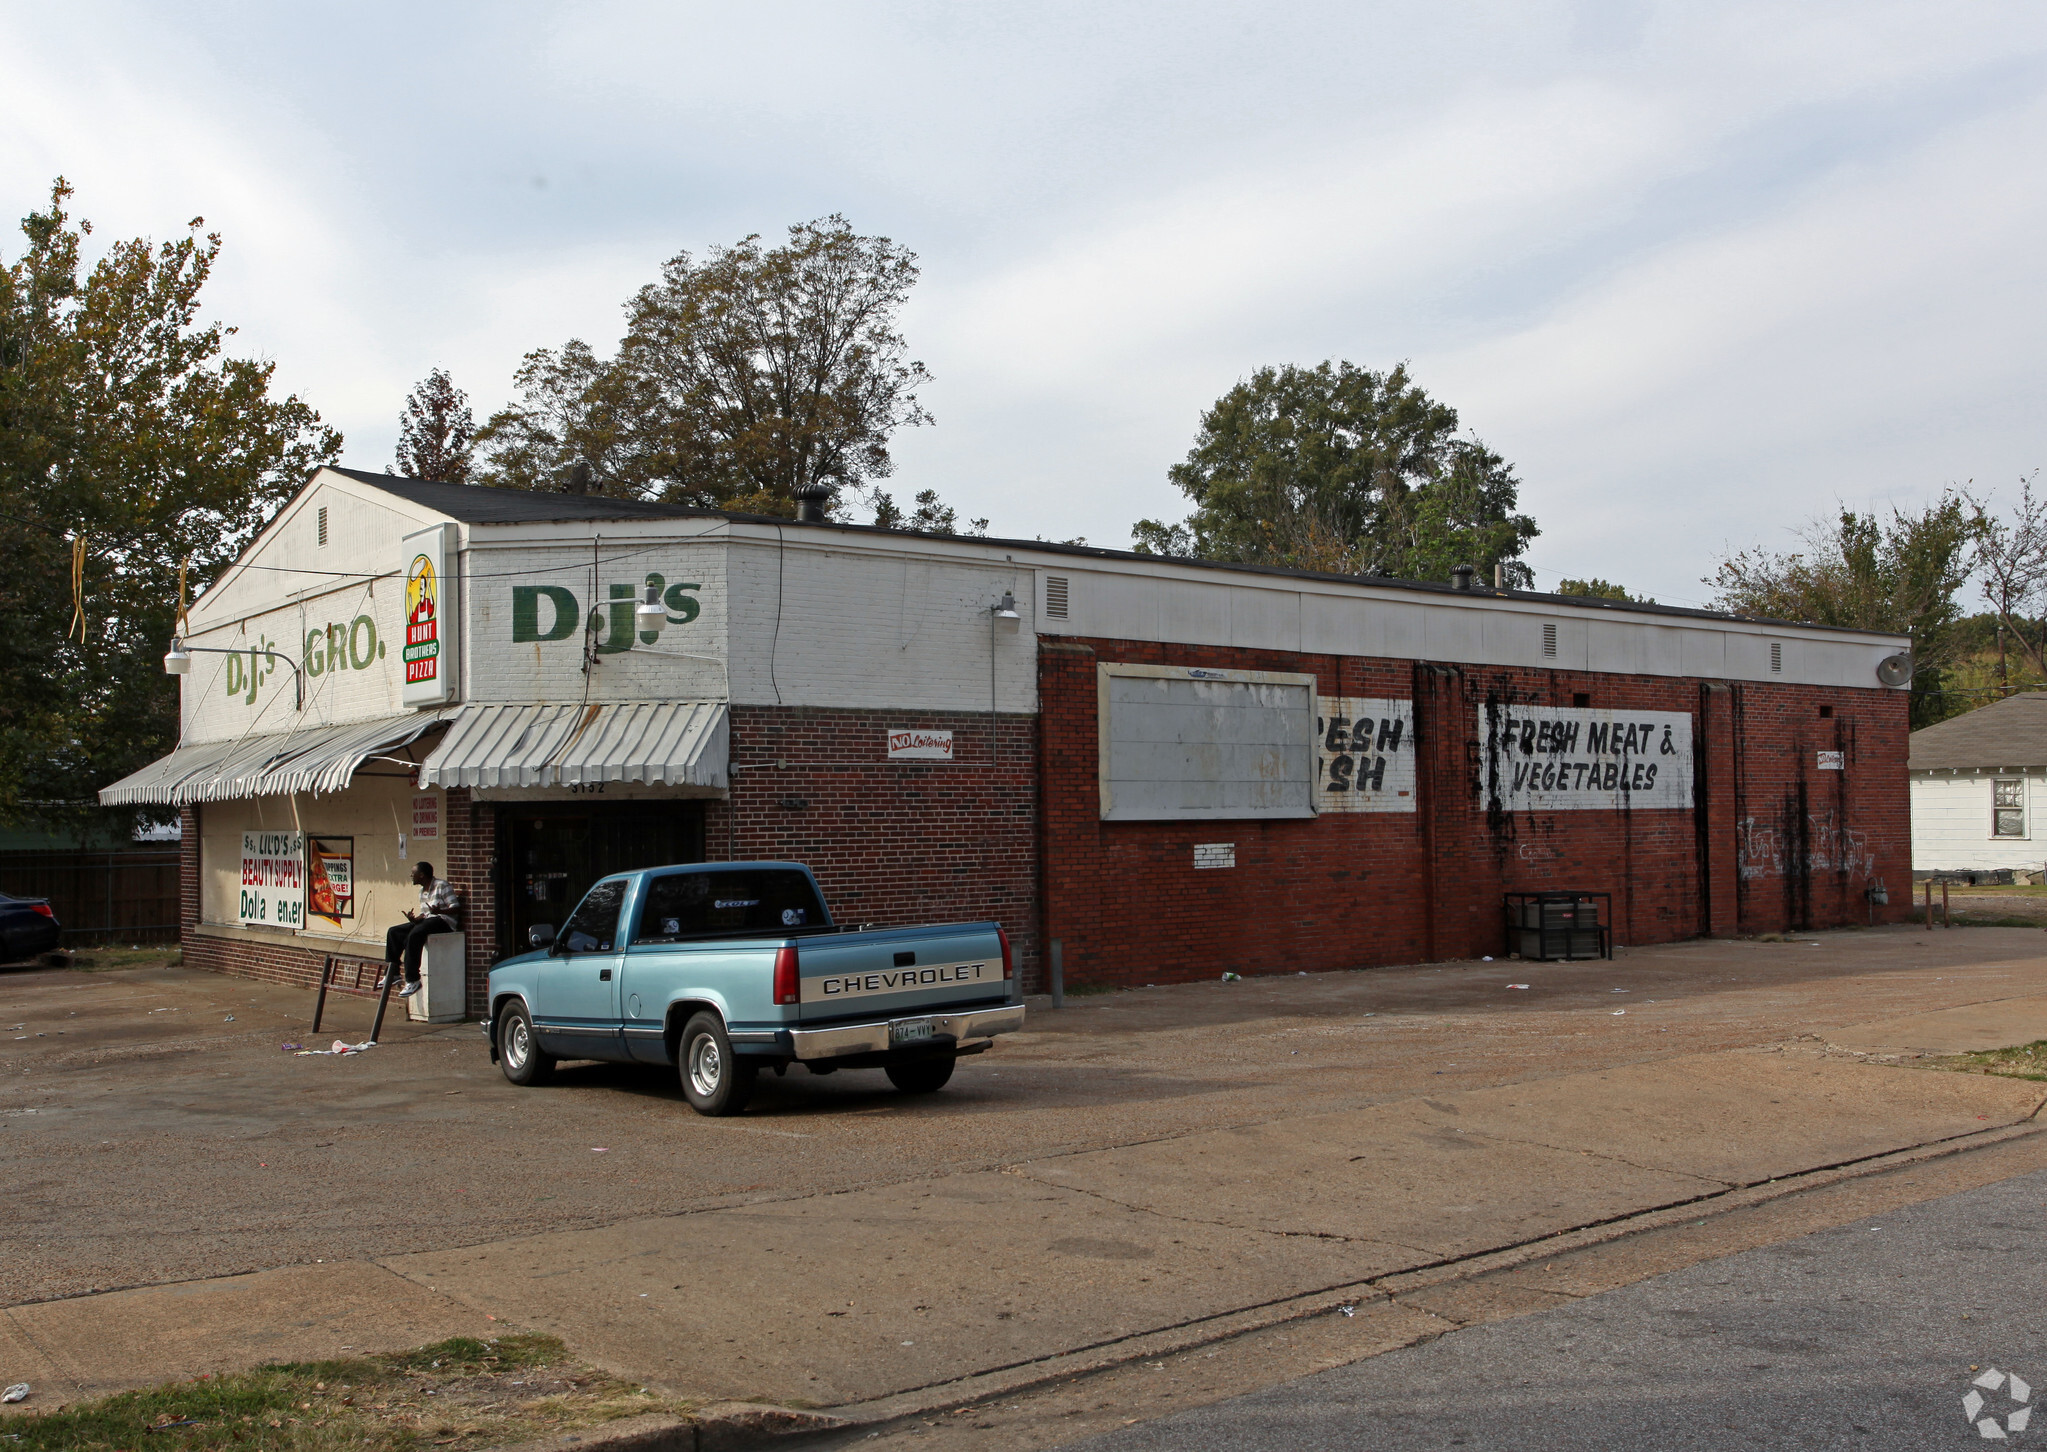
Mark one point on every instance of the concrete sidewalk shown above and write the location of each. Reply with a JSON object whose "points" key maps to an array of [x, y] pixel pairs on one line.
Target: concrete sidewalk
{"points": [[854, 1297]]}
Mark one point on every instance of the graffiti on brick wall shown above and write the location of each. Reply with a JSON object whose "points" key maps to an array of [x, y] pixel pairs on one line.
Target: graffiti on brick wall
{"points": [[1760, 849]]}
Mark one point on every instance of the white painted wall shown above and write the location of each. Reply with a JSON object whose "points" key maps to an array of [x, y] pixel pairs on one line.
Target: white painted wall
{"points": [[1141, 600], [1951, 823], [817, 617], [289, 589], [686, 661], [867, 625]]}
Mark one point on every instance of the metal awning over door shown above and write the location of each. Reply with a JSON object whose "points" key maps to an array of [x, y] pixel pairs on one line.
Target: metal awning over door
{"points": [[314, 759], [673, 743]]}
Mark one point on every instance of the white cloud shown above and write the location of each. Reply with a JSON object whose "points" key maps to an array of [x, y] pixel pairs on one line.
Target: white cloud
{"points": [[1698, 271]]}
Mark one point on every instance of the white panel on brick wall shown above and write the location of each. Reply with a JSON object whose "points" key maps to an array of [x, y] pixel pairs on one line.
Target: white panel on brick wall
{"points": [[1186, 744], [855, 628], [1364, 754], [1195, 613], [535, 612], [1265, 618], [1564, 758]]}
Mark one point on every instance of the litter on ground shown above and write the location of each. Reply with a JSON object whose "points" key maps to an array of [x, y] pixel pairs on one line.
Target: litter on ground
{"points": [[16, 1393], [1517, 985], [340, 1048]]}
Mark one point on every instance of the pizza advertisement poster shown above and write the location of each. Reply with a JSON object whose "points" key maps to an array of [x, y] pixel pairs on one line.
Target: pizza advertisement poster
{"points": [[330, 878]]}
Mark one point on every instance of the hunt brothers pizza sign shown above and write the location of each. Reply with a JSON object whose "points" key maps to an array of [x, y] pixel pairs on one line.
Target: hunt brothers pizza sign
{"points": [[1573, 759]]}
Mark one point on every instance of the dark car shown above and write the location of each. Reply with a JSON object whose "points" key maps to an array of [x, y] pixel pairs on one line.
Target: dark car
{"points": [[27, 927]]}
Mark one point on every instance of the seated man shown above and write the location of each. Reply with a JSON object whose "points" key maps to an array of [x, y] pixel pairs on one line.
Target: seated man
{"points": [[438, 904]]}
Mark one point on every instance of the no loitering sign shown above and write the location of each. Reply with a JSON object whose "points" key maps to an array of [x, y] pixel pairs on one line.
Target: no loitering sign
{"points": [[919, 745]]}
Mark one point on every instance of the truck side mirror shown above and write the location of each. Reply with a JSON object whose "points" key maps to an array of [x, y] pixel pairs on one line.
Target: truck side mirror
{"points": [[540, 935]]}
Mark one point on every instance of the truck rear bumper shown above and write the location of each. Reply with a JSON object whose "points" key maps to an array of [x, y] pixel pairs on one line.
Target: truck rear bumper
{"points": [[966, 1030]]}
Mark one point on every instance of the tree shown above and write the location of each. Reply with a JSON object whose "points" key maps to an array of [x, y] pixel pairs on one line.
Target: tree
{"points": [[742, 377], [128, 444], [1341, 469], [436, 435], [1598, 589], [929, 517], [1869, 573], [2011, 558]]}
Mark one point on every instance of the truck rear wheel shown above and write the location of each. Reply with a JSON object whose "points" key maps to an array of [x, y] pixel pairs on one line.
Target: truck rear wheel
{"points": [[921, 1076], [519, 1051], [715, 1080]]}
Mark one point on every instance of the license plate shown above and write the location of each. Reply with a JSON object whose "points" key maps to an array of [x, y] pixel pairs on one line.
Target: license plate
{"points": [[909, 1030]]}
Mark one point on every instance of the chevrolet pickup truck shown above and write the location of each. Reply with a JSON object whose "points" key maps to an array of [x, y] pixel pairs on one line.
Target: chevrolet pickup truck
{"points": [[725, 969]]}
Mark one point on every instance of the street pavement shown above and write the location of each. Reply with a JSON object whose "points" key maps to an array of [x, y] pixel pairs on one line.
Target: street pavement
{"points": [[1865, 1336], [1139, 1172]]}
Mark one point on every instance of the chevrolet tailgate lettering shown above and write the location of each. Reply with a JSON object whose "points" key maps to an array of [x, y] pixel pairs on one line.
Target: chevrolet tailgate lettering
{"points": [[898, 980]]}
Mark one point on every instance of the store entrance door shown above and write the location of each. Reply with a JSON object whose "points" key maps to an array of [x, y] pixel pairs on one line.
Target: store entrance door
{"points": [[557, 850]]}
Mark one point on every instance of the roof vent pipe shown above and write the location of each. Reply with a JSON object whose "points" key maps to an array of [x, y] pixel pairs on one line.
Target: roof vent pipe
{"points": [[810, 501], [1460, 577]]}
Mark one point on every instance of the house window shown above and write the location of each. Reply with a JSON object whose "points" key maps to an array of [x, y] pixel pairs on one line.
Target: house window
{"points": [[2008, 808]]}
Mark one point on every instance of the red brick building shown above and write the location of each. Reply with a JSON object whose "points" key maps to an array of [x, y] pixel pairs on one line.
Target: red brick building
{"points": [[1173, 769]]}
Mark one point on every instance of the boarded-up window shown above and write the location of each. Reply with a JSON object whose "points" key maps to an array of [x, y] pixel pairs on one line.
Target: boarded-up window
{"points": [[1182, 743]]}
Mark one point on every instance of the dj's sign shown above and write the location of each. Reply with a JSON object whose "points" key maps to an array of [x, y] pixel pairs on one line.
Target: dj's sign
{"points": [[429, 618]]}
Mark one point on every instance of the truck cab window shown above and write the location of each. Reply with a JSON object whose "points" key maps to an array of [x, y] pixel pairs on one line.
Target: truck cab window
{"points": [[680, 905], [593, 927]]}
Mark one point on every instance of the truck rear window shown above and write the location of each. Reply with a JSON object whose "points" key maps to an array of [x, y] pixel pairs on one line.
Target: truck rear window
{"points": [[700, 904]]}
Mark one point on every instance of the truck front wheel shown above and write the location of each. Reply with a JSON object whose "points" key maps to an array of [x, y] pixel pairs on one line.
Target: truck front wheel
{"points": [[921, 1076], [715, 1080], [519, 1052]]}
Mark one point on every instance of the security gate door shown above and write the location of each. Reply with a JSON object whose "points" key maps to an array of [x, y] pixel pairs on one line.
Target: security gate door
{"points": [[556, 850]]}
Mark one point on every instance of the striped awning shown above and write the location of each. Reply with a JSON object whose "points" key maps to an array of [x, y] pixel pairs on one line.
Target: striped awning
{"points": [[676, 743], [313, 759]]}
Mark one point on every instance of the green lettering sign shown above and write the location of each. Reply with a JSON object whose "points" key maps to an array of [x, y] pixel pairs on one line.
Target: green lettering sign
{"points": [[526, 612]]}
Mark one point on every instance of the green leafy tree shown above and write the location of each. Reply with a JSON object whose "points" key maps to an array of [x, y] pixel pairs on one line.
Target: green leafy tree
{"points": [[129, 443], [436, 433], [1899, 574], [930, 515], [743, 376], [1598, 589], [1342, 469]]}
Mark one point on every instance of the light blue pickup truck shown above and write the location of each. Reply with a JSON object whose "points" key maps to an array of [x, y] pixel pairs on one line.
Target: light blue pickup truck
{"points": [[724, 969]]}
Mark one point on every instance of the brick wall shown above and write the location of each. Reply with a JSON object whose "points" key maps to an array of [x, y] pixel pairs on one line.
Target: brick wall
{"points": [[1771, 842], [892, 843]]}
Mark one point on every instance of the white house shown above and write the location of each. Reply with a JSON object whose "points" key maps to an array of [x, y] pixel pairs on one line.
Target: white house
{"points": [[1978, 784]]}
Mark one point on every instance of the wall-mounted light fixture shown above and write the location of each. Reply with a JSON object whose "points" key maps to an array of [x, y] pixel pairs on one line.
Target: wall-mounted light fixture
{"points": [[177, 661], [650, 614]]}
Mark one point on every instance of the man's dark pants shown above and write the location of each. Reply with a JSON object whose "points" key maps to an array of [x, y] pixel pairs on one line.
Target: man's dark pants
{"points": [[408, 941]]}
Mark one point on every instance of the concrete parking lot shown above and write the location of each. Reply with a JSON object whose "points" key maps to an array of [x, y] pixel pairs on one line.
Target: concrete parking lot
{"points": [[1135, 1163]]}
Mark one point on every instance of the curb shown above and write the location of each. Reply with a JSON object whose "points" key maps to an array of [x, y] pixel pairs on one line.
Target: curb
{"points": [[721, 1427], [1390, 1287]]}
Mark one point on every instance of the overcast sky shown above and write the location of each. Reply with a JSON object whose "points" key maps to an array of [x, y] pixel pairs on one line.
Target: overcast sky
{"points": [[1700, 271]]}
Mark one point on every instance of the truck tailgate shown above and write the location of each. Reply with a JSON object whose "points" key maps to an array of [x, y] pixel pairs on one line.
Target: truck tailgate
{"points": [[889, 972]]}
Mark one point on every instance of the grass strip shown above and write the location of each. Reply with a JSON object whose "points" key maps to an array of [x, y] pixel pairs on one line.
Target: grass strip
{"points": [[2026, 1061], [459, 1392]]}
